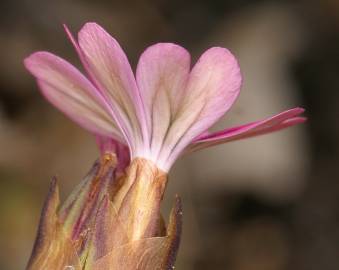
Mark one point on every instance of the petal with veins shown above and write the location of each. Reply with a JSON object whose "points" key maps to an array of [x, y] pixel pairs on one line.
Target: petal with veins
{"points": [[111, 72], [280, 121], [162, 74], [213, 85], [68, 90]]}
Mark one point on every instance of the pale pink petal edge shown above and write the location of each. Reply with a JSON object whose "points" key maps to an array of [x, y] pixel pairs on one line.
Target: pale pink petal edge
{"points": [[33, 64]]}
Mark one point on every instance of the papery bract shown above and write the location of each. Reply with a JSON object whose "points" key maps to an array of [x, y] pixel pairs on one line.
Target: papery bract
{"points": [[105, 225]]}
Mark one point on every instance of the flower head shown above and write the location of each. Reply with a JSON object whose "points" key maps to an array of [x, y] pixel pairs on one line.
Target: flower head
{"points": [[145, 122], [162, 111]]}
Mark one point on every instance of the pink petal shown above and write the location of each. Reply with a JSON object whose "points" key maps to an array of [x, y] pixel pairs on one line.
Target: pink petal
{"points": [[280, 121], [110, 71], [162, 74], [213, 86], [68, 90]]}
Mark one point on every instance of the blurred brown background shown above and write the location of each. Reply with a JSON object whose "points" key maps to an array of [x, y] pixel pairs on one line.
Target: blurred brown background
{"points": [[269, 203]]}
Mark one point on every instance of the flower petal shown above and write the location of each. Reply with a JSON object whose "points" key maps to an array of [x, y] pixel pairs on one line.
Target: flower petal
{"points": [[280, 121], [162, 74], [214, 84], [68, 90], [111, 72]]}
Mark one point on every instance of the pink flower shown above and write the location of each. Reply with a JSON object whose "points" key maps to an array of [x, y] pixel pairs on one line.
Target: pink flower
{"points": [[160, 113]]}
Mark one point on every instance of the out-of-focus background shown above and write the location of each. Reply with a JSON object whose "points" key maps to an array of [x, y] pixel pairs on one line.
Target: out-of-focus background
{"points": [[269, 203]]}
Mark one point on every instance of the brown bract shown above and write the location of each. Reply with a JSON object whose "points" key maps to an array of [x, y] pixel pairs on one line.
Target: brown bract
{"points": [[111, 221]]}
